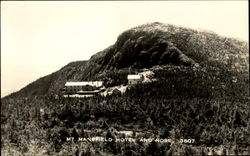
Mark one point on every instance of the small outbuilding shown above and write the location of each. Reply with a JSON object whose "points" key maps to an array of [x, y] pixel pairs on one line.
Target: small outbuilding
{"points": [[134, 79]]}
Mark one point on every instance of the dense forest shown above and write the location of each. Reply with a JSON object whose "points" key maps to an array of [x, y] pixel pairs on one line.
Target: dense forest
{"points": [[199, 94]]}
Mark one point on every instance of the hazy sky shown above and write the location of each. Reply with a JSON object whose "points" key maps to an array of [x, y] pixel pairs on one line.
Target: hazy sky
{"points": [[38, 38]]}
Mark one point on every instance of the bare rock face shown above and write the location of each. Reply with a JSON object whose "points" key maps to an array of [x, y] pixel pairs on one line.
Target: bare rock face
{"points": [[146, 53], [174, 56], [157, 44]]}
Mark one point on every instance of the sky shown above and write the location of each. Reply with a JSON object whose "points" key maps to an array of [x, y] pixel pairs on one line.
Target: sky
{"points": [[40, 37]]}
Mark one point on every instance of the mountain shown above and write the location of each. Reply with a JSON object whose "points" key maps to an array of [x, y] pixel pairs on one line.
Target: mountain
{"points": [[146, 46]]}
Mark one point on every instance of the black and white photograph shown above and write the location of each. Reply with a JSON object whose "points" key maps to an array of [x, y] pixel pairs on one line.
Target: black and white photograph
{"points": [[125, 78]]}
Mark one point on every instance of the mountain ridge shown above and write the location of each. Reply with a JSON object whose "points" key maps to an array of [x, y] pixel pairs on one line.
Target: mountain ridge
{"points": [[145, 46]]}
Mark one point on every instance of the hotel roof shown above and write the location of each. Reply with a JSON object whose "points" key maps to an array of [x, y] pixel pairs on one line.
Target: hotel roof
{"points": [[84, 83], [134, 77]]}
